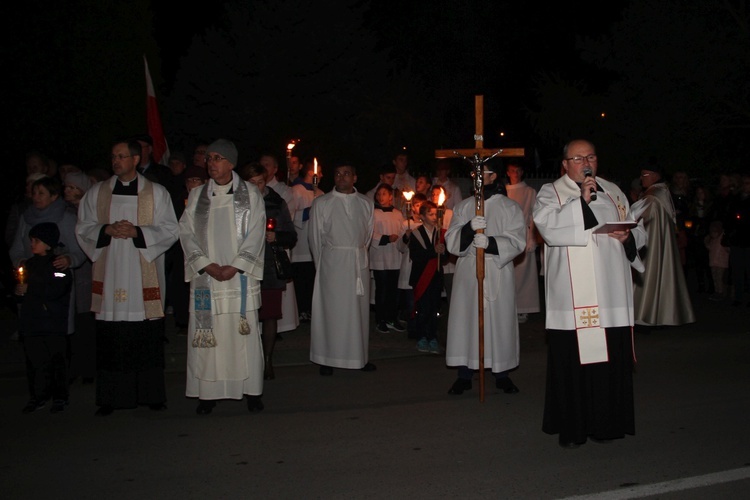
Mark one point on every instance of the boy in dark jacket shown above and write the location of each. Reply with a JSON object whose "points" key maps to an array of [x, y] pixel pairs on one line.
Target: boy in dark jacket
{"points": [[44, 320]]}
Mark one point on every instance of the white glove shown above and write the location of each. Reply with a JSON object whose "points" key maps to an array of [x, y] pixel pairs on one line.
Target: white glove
{"points": [[481, 240], [478, 222]]}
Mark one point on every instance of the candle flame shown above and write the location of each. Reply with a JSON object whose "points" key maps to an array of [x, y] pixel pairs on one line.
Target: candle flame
{"points": [[315, 166], [408, 195], [441, 198], [290, 146]]}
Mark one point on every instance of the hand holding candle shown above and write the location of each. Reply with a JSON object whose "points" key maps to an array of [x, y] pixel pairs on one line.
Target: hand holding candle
{"points": [[270, 230], [407, 196]]}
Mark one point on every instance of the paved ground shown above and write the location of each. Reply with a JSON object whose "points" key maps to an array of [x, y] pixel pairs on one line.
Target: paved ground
{"points": [[396, 433]]}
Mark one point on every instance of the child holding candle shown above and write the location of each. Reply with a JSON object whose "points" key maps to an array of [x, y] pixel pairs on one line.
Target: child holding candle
{"points": [[44, 320]]}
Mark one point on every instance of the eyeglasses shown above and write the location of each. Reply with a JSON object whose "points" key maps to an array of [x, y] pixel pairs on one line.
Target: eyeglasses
{"points": [[119, 157], [579, 159], [214, 158]]}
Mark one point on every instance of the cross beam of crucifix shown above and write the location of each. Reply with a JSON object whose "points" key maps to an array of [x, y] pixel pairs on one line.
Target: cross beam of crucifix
{"points": [[479, 148]]}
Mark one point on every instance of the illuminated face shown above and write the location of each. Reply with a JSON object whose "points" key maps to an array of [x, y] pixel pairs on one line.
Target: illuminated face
{"points": [[422, 185], [514, 173], [260, 181], [219, 168], [430, 217], [73, 194], [435, 195], [575, 169], [123, 163], [38, 247], [41, 198], [271, 166], [344, 179], [384, 197]]}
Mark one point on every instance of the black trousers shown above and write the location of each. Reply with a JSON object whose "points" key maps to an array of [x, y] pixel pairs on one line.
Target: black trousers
{"points": [[47, 366]]}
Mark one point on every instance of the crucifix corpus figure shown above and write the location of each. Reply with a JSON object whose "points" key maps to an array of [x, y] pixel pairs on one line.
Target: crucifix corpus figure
{"points": [[478, 238]]}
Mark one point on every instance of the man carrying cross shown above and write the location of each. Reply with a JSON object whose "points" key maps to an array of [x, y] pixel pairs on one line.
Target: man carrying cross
{"points": [[501, 232]]}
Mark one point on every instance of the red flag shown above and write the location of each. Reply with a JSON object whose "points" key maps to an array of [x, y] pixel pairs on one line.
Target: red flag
{"points": [[155, 130]]}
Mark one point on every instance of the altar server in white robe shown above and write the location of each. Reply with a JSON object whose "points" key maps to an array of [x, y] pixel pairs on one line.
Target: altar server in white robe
{"points": [[589, 300], [340, 229], [223, 237], [527, 275], [125, 224], [504, 237]]}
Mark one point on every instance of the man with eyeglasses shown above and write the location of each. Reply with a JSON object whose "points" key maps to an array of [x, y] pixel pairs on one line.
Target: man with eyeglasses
{"points": [[503, 237], [660, 293], [125, 225], [340, 229], [223, 234], [589, 300]]}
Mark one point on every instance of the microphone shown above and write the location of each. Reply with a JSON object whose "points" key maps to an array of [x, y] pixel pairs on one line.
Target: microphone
{"points": [[587, 172]]}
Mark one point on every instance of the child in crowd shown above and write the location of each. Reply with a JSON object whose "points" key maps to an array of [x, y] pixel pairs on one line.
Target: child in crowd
{"points": [[718, 259], [426, 250], [385, 259], [405, 289], [44, 320]]}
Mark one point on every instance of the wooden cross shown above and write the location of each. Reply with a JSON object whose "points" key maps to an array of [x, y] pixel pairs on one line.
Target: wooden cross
{"points": [[478, 139]]}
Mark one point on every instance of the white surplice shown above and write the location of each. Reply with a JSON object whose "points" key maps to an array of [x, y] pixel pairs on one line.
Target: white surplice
{"points": [[122, 299], [527, 274], [561, 224], [501, 349], [235, 366], [340, 232]]}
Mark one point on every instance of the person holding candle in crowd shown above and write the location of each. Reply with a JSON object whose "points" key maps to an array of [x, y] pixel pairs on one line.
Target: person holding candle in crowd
{"points": [[445, 214], [304, 270], [223, 234], [406, 292], [426, 277], [125, 225], [279, 232], [442, 178], [341, 226], [44, 319]]}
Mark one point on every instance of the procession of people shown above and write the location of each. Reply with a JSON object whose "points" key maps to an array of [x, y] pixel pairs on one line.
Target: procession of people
{"points": [[262, 251]]}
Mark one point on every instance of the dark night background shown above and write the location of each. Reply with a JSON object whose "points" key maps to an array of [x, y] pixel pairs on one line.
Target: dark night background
{"points": [[356, 79]]}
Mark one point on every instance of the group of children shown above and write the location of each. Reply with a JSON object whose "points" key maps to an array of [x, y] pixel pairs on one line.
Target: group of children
{"points": [[408, 255]]}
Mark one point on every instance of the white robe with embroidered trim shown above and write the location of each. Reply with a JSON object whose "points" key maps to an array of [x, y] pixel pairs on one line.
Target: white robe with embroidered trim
{"points": [[122, 299], [560, 222], [340, 229], [501, 349], [235, 366]]}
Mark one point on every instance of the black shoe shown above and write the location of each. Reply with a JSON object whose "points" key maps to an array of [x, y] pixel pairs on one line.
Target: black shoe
{"points": [[254, 403], [326, 370], [459, 386], [104, 411], [369, 367], [506, 385], [205, 407], [157, 407], [33, 405], [58, 405]]}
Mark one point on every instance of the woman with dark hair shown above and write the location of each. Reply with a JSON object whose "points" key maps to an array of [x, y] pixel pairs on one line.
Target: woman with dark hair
{"points": [[279, 233]]}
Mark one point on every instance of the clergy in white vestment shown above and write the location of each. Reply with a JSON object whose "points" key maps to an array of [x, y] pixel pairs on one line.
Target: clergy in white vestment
{"points": [[223, 236], [290, 318], [589, 300], [527, 275], [125, 224], [341, 224], [503, 238]]}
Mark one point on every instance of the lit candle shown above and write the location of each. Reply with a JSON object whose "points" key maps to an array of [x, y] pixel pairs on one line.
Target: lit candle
{"points": [[407, 195], [21, 276], [315, 174]]}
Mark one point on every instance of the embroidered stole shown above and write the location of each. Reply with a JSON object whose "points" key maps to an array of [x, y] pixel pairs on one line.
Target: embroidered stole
{"points": [[592, 339], [204, 335], [149, 277]]}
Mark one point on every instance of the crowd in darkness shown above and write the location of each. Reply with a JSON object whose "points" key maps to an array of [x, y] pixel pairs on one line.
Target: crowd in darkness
{"points": [[413, 249]]}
